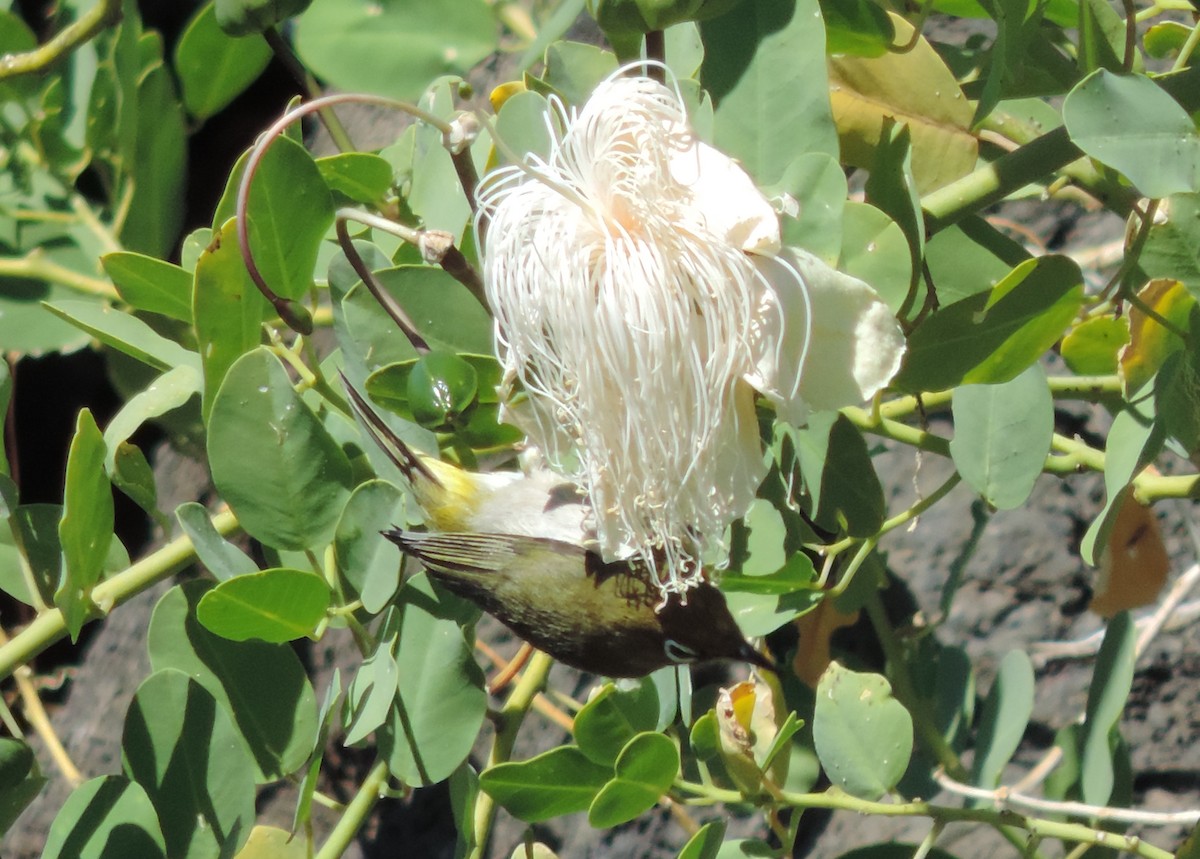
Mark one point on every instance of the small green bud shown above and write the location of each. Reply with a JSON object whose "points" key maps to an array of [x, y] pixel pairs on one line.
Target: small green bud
{"points": [[245, 17], [644, 16], [441, 388]]}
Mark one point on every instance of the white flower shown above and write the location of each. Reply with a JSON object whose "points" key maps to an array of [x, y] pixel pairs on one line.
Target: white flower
{"points": [[641, 297]]}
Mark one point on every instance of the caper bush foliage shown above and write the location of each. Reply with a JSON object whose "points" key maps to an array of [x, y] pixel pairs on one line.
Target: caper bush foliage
{"points": [[1073, 99]]}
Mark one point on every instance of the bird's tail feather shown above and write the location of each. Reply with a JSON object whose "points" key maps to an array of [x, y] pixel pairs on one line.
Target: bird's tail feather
{"points": [[404, 457]]}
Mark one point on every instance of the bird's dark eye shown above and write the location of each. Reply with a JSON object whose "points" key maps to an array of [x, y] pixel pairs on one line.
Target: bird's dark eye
{"points": [[679, 653]]}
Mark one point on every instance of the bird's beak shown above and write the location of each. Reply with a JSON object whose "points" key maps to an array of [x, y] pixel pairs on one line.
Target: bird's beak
{"points": [[751, 654]]}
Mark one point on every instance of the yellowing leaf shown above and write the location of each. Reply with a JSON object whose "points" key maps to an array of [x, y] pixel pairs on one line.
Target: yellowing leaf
{"points": [[1133, 566], [816, 629], [1093, 346], [267, 842], [1149, 342], [914, 87], [504, 92]]}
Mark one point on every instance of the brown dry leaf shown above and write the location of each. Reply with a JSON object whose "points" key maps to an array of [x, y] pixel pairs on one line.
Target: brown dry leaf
{"points": [[915, 88], [1150, 343], [1134, 564], [816, 628]]}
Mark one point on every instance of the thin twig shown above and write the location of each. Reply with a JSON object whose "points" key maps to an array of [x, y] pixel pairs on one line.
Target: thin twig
{"points": [[1004, 798]]}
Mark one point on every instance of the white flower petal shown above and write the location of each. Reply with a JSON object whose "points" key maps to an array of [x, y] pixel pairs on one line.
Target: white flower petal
{"points": [[732, 205], [850, 350]]}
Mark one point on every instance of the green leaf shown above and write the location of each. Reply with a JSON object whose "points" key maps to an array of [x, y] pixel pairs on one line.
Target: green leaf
{"points": [[20, 778], [894, 850], [645, 770], [1177, 396], [288, 212], [410, 43], [1002, 723], [272, 459], [242, 17], [223, 559], [705, 843], [764, 65], [892, 188], [440, 702], [1092, 347], [367, 562], [361, 176], [992, 337], [1111, 682], [270, 842], [521, 124], [124, 332], [33, 534], [969, 257], [856, 27], [274, 605], [372, 690], [574, 69], [106, 817], [1002, 436], [1130, 124], [214, 68], [863, 735], [439, 306], [875, 250], [612, 718], [913, 87], [1133, 441], [86, 528], [560, 781], [151, 284], [180, 745], [829, 448], [155, 214], [132, 474], [263, 685], [817, 183], [1165, 38], [1172, 248], [325, 718], [169, 391], [228, 309]]}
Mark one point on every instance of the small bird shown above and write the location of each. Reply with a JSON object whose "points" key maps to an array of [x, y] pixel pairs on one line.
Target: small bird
{"points": [[515, 545], [538, 504], [603, 618]]}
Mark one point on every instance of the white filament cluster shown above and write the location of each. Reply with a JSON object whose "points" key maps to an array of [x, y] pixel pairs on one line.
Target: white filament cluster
{"points": [[642, 298], [627, 306]]}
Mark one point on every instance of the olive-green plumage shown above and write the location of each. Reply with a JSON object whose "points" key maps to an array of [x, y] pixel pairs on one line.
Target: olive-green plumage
{"points": [[564, 600], [513, 544]]}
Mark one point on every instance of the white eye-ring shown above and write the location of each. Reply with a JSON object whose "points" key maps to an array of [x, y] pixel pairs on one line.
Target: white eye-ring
{"points": [[679, 653]]}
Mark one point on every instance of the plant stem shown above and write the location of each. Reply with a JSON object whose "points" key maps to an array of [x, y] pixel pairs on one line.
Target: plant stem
{"points": [[508, 723], [103, 14], [49, 626], [283, 52], [840, 801], [36, 266], [356, 813]]}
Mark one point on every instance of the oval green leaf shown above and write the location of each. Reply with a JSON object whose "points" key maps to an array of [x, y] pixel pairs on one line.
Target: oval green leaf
{"points": [[367, 562], [1002, 436], [863, 735], [181, 746], [612, 718], [645, 770], [1004, 718], [151, 284], [440, 703], [560, 781], [263, 685], [103, 817], [272, 459], [274, 605], [1130, 124], [213, 67]]}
